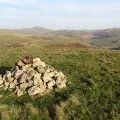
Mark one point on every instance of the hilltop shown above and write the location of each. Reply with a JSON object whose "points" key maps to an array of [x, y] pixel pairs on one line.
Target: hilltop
{"points": [[92, 92], [93, 75], [33, 30]]}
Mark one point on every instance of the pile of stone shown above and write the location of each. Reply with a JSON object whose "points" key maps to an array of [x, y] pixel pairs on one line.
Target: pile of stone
{"points": [[32, 76]]}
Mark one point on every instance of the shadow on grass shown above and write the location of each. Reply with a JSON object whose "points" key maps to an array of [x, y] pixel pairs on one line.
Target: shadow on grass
{"points": [[48, 101], [44, 103], [3, 69], [58, 98]]}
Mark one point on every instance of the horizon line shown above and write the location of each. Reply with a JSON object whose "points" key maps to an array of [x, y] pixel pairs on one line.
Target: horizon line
{"points": [[35, 26]]}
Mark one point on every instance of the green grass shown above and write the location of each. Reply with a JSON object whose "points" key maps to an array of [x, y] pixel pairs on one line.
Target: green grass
{"points": [[92, 93]]}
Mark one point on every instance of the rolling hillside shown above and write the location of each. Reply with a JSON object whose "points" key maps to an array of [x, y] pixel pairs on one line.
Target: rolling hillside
{"points": [[93, 86], [34, 30], [109, 38], [41, 37], [93, 75]]}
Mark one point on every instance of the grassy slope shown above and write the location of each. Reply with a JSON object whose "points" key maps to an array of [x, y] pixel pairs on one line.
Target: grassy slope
{"points": [[109, 38], [12, 39], [92, 93]]}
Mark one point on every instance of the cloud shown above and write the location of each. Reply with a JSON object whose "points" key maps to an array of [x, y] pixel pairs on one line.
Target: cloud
{"points": [[6, 1], [60, 13]]}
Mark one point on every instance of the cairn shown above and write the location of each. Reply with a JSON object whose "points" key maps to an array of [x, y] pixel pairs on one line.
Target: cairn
{"points": [[32, 76]]}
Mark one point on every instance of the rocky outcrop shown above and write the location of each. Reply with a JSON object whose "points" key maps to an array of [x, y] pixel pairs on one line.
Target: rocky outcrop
{"points": [[32, 76]]}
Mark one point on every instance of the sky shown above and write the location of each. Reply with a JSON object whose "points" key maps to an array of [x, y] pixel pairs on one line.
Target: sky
{"points": [[60, 14]]}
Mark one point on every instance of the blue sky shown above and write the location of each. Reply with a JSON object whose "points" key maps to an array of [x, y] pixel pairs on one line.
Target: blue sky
{"points": [[60, 14]]}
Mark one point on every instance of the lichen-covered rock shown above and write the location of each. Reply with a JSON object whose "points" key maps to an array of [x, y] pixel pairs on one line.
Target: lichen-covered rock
{"points": [[60, 75], [23, 86], [8, 75], [20, 63], [1, 80], [50, 84], [60, 86], [37, 62], [19, 93], [51, 74], [6, 85], [12, 85], [15, 81], [60, 80], [36, 90], [10, 80], [23, 78], [41, 69], [26, 67], [46, 78], [32, 76], [18, 74], [37, 79], [30, 83]]}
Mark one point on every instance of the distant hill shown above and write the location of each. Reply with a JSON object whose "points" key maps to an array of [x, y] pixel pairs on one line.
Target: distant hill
{"points": [[108, 38], [34, 30], [66, 33], [75, 34]]}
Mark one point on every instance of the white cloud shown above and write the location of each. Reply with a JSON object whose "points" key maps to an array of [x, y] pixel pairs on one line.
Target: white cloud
{"points": [[51, 13], [6, 1], [9, 1]]}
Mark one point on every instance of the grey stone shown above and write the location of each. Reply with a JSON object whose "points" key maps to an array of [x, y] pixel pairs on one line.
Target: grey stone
{"points": [[51, 74], [1, 86], [12, 86], [23, 78], [37, 62], [60, 86], [47, 70], [52, 69], [15, 81], [37, 79], [58, 80], [36, 90], [48, 76], [1, 80], [20, 63], [26, 67], [60, 74], [8, 75], [23, 87], [46, 79], [30, 83], [18, 74], [4, 78], [6, 84], [50, 84], [40, 69], [10, 80], [19, 93]]}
